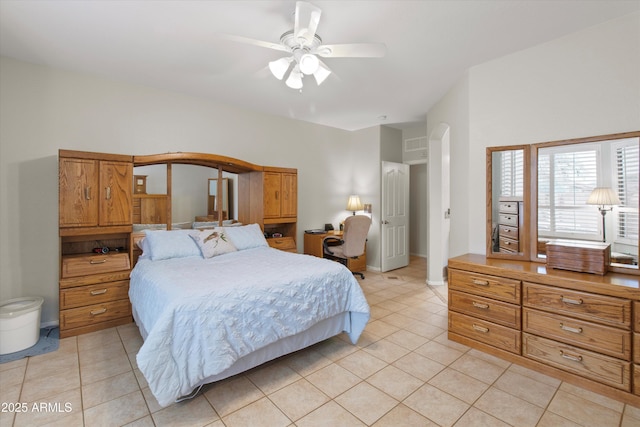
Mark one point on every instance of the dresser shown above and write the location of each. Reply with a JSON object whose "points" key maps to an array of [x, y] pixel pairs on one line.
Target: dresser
{"points": [[578, 327], [510, 219]]}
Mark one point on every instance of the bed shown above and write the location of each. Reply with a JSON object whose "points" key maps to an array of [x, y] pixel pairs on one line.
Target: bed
{"points": [[205, 317]]}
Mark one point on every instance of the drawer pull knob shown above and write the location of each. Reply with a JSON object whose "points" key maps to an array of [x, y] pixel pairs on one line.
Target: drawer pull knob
{"points": [[570, 329], [571, 301], [97, 312], [480, 328], [87, 193], [480, 282], [93, 261], [99, 292], [480, 305], [575, 358]]}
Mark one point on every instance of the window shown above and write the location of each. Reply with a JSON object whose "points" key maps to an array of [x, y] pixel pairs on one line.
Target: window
{"points": [[512, 173], [566, 176], [627, 179]]}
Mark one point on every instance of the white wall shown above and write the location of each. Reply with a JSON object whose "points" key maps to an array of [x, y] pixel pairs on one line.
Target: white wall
{"points": [[43, 110], [587, 83]]}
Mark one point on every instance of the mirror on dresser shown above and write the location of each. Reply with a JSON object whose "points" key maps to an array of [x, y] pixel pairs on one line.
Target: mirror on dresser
{"points": [[508, 186], [568, 209]]}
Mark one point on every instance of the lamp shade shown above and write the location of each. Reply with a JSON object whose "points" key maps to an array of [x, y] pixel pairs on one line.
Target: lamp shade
{"points": [[295, 78], [603, 196], [279, 67], [354, 203]]}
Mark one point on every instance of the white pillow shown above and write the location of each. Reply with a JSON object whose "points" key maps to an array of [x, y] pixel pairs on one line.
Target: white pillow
{"points": [[169, 244], [246, 236], [213, 242]]}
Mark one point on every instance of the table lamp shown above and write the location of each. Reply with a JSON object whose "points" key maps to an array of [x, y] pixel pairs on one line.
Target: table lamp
{"points": [[603, 196]]}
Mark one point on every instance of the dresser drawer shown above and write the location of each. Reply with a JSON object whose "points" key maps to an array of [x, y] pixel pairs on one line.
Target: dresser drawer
{"points": [[604, 339], [89, 315], [636, 316], [636, 379], [636, 347], [595, 366], [508, 245], [489, 333], [508, 232], [282, 243], [509, 219], [488, 309], [507, 290], [598, 308], [83, 265], [508, 207], [93, 294]]}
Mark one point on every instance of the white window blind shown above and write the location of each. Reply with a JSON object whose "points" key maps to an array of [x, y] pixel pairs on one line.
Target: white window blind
{"points": [[512, 173], [565, 180], [627, 181]]}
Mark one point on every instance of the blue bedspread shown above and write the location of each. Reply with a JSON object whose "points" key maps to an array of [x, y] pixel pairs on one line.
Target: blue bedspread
{"points": [[198, 316]]}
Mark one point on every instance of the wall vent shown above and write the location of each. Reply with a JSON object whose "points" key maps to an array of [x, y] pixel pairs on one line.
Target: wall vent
{"points": [[415, 144]]}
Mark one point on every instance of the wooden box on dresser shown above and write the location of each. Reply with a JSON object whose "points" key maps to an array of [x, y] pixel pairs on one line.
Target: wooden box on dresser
{"points": [[581, 328], [95, 225]]}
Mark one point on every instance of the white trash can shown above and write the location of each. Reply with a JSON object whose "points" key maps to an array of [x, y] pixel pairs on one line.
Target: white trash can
{"points": [[19, 323]]}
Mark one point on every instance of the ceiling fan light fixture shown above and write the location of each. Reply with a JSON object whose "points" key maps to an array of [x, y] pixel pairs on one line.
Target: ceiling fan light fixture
{"points": [[321, 73], [279, 67], [294, 81], [308, 63]]}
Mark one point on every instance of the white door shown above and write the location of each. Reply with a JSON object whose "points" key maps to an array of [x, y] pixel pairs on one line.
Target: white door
{"points": [[395, 216]]}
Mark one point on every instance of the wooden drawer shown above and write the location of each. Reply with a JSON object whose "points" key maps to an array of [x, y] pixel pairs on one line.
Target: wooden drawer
{"points": [[508, 245], [507, 290], [508, 207], [484, 308], [489, 333], [509, 219], [282, 243], [595, 366], [92, 314], [82, 265], [636, 347], [603, 339], [636, 379], [93, 294], [636, 316], [598, 308], [508, 232]]}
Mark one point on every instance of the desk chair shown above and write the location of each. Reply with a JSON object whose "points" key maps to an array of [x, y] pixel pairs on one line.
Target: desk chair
{"points": [[356, 228]]}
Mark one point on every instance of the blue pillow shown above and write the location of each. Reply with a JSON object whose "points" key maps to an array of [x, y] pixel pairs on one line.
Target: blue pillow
{"points": [[246, 236], [170, 244]]}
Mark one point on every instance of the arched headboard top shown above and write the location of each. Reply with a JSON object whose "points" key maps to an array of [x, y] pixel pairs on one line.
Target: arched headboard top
{"points": [[223, 163]]}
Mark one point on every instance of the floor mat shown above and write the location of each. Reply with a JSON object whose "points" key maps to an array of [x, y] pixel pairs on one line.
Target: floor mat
{"points": [[49, 341]]}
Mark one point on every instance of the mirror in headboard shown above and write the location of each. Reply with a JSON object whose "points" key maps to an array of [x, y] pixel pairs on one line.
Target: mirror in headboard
{"points": [[568, 208], [508, 201], [222, 201]]}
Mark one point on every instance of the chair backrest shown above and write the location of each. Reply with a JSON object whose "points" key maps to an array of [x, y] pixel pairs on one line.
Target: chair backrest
{"points": [[356, 228]]}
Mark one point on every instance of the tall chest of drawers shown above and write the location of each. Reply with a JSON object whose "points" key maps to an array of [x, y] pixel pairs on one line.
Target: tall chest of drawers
{"points": [[578, 327], [510, 224]]}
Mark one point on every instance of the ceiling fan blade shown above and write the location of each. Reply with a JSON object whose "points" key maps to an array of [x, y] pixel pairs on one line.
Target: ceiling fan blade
{"points": [[352, 50], [261, 43], [307, 17]]}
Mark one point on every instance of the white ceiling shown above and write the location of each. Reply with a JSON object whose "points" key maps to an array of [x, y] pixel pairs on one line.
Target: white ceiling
{"points": [[176, 45]]}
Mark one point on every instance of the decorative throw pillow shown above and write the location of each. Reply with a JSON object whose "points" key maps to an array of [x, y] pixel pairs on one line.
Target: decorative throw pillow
{"points": [[213, 242]]}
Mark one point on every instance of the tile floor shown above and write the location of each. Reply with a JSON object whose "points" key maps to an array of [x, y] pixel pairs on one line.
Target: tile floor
{"points": [[402, 372]]}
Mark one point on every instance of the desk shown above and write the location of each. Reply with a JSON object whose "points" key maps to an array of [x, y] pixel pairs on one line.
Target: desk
{"points": [[313, 246]]}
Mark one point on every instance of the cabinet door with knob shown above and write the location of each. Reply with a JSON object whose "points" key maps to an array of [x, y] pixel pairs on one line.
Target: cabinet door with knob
{"points": [[115, 193]]}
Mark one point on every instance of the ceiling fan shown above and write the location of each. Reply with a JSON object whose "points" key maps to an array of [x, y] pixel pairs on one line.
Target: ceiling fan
{"points": [[305, 47]]}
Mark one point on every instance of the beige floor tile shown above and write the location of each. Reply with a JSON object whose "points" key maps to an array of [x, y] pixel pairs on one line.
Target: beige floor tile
{"points": [[509, 408], [478, 368], [424, 329], [583, 411], [272, 377], [142, 422], [100, 354], [629, 421], [335, 349], [366, 402], [307, 362], [549, 419], [150, 399], [632, 411], [593, 397], [407, 339], [93, 371], [525, 388], [361, 364], [122, 410], [50, 386], [329, 414], [12, 376], [64, 407], [405, 417], [97, 339], [108, 389], [489, 358], [395, 382], [398, 320], [196, 412], [20, 363], [298, 399], [444, 340], [540, 377], [419, 366], [386, 350], [46, 364], [333, 380], [439, 352], [392, 306], [436, 405], [476, 418], [381, 328], [459, 385], [262, 413], [232, 394]]}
